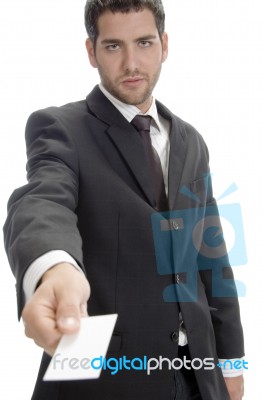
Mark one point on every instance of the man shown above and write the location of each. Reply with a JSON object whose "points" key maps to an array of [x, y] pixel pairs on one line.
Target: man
{"points": [[84, 220]]}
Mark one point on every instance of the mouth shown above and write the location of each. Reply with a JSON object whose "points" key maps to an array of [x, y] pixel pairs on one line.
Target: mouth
{"points": [[131, 82]]}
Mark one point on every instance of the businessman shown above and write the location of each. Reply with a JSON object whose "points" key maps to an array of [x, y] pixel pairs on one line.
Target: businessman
{"points": [[79, 235]]}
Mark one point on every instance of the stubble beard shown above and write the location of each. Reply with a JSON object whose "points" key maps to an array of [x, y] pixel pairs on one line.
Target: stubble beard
{"points": [[130, 96]]}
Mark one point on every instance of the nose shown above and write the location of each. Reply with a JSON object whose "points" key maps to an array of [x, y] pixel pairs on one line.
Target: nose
{"points": [[131, 59]]}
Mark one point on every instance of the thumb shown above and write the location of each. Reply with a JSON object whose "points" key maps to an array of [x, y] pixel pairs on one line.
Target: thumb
{"points": [[68, 314]]}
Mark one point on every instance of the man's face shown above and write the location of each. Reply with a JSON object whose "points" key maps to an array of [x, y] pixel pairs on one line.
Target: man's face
{"points": [[129, 54]]}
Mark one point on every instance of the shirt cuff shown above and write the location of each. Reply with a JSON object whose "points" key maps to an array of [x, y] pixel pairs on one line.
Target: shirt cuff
{"points": [[40, 266], [229, 368]]}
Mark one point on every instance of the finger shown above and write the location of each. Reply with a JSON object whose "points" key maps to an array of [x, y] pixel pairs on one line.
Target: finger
{"points": [[68, 313], [83, 310], [40, 325]]}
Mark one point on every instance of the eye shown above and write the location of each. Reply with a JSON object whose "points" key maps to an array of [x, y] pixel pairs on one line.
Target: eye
{"points": [[145, 43], [112, 47]]}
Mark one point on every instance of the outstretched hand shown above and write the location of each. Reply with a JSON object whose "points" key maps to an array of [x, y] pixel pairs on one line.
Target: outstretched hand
{"points": [[56, 306]]}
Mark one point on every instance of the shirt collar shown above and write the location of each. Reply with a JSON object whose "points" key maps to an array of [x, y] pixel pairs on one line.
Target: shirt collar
{"points": [[129, 111]]}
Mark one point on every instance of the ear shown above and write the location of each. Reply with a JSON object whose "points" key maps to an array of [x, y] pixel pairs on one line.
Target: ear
{"points": [[164, 47], [91, 53]]}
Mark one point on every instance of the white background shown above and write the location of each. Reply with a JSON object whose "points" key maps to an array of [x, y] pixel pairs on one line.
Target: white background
{"points": [[214, 79]]}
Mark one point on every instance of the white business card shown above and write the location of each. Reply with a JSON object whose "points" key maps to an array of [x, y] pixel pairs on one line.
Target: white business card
{"points": [[81, 356]]}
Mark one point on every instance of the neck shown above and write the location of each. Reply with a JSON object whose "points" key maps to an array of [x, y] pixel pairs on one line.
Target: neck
{"points": [[146, 105]]}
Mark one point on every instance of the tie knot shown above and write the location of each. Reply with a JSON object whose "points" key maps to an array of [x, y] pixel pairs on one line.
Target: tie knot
{"points": [[142, 122]]}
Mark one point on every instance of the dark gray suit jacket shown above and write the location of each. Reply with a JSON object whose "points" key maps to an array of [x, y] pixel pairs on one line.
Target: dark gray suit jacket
{"points": [[89, 194]]}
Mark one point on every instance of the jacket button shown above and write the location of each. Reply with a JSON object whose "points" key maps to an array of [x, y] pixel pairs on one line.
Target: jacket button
{"points": [[175, 337]]}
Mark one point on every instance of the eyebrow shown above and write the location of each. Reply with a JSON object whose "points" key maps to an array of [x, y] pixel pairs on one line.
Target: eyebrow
{"points": [[119, 41]]}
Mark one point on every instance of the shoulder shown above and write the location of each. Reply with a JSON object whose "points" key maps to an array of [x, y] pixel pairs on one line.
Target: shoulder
{"points": [[185, 129], [67, 122], [64, 113]]}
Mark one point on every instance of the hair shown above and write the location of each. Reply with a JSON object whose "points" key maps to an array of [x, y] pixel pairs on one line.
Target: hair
{"points": [[95, 8]]}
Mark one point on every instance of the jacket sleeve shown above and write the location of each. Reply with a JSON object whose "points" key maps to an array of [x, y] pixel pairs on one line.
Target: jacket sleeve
{"points": [[220, 288], [41, 214], [215, 276]]}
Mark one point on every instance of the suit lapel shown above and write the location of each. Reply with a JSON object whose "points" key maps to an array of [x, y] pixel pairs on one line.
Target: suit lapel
{"points": [[125, 138], [128, 143], [178, 152]]}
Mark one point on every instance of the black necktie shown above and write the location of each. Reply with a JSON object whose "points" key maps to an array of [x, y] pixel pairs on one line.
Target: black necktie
{"points": [[142, 124]]}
